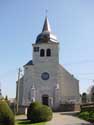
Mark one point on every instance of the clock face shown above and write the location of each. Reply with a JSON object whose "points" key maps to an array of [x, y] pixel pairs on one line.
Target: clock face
{"points": [[45, 76]]}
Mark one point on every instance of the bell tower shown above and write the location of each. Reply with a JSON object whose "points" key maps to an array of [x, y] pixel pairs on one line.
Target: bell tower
{"points": [[42, 74], [46, 61], [45, 48]]}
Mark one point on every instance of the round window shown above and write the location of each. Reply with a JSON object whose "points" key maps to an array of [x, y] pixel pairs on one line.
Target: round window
{"points": [[45, 76]]}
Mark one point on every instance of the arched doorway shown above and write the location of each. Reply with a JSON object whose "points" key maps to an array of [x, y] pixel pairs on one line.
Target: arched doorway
{"points": [[45, 99]]}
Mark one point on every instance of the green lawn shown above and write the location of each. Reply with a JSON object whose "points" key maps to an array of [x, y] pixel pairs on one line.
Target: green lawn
{"points": [[27, 122]]}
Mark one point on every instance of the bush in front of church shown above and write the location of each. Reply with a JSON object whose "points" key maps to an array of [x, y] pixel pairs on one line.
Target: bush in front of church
{"points": [[6, 115], [39, 112], [33, 106]]}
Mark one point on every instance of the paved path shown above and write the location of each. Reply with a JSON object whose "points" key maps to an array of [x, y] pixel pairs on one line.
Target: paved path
{"points": [[19, 117], [60, 119]]}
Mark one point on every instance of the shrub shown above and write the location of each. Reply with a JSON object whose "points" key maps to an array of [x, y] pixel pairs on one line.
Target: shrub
{"points": [[6, 115], [84, 115], [39, 113], [45, 113], [33, 106]]}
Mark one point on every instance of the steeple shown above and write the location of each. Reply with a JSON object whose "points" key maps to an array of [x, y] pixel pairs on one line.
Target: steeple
{"points": [[46, 36], [46, 26]]}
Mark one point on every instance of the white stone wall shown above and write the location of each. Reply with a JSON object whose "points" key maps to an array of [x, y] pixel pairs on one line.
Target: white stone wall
{"points": [[69, 86], [54, 53], [46, 64], [45, 86], [28, 83], [32, 74]]}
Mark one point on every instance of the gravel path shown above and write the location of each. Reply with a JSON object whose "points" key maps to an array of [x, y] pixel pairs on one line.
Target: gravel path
{"points": [[19, 117]]}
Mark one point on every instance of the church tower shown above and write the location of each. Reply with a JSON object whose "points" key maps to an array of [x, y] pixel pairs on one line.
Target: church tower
{"points": [[46, 61], [46, 47], [42, 71]]}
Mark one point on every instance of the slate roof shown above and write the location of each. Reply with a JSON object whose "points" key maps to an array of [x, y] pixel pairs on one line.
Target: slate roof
{"points": [[29, 63]]}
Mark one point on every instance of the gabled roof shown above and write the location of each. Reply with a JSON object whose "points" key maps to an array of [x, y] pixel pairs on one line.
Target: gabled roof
{"points": [[29, 63]]}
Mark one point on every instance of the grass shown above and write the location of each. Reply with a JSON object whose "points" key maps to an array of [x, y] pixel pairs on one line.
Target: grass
{"points": [[27, 122]]}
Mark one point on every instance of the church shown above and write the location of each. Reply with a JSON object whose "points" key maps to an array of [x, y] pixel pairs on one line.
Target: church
{"points": [[44, 79]]}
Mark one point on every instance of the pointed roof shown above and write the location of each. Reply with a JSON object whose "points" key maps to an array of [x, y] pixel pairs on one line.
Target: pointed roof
{"points": [[46, 26], [46, 36]]}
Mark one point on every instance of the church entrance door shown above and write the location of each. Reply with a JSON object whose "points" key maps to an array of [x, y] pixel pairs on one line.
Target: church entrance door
{"points": [[45, 99]]}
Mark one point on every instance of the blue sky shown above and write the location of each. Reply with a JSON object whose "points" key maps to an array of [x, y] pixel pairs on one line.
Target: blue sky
{"points": [[21, 21]]}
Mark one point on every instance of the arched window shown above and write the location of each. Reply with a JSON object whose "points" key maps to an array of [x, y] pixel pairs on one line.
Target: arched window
{"points": [[48, 52], [42, 52]]}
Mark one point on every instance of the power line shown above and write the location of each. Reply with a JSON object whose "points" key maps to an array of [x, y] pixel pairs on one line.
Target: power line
{"points": [[79, 62]]}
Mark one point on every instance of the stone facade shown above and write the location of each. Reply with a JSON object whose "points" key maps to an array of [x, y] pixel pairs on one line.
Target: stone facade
{"points": [[44, 79]]}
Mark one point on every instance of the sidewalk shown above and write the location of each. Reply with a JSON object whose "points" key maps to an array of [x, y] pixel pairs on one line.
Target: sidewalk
{"points": [[59, 119]]}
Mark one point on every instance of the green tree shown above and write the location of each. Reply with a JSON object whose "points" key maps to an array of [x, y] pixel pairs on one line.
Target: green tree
{"points": [[84, 97], [7, 100], [6, 115]]}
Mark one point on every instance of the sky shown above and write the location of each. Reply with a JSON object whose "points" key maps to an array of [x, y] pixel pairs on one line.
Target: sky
{"points": [[72, 21]]}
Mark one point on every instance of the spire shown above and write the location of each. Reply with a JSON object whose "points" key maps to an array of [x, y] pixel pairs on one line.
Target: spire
{"points": [[46, 26], [46, 35]]}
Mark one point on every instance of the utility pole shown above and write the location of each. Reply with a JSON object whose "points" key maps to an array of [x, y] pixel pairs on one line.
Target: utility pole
{"points": [[0, 91], [18, 85]]}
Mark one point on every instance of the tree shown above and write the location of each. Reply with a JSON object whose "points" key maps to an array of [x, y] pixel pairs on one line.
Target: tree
{"points": [[6, 99], [91, 93], [6, 115], [84, 97]]}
